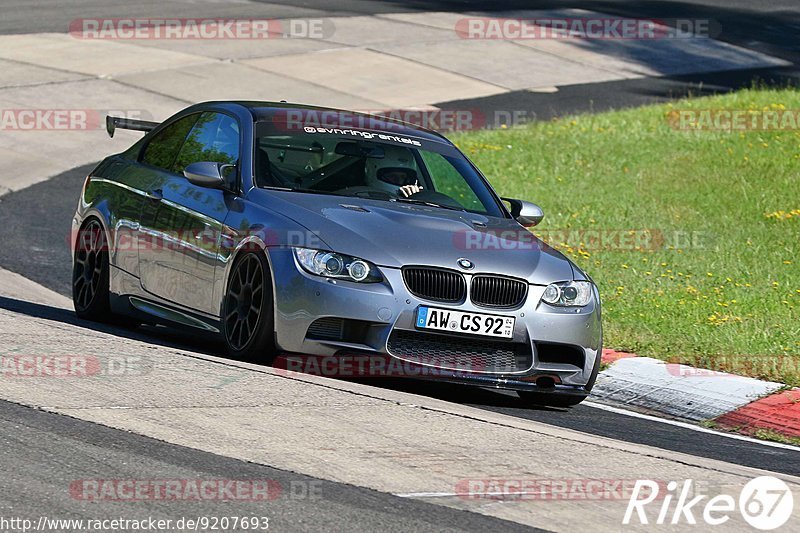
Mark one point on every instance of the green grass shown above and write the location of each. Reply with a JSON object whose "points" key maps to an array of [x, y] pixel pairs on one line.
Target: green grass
{"points": [[731, 300], [774, 436], [763, 434]]}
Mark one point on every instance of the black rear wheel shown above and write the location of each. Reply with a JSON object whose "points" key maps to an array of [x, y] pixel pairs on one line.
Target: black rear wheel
{"points": [[90, 295], [247, 314]]}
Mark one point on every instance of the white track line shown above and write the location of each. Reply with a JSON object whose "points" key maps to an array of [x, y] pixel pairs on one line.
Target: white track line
{"points": [[463, 494], [633, 414], [687, 425], [426, 494]]}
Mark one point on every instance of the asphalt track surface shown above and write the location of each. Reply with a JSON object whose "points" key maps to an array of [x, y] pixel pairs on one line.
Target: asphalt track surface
{"points": [[43, 454], [767, 26], [33, 227]]}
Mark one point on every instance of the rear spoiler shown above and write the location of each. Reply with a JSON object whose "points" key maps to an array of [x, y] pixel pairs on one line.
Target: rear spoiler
{"points": [[112, 123]]}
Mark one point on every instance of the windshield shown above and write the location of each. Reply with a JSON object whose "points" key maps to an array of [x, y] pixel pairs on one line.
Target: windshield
{"points": [[379, 167]]}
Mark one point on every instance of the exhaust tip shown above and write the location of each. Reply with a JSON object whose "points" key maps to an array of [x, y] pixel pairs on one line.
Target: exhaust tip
{"points": [[546, 382]]}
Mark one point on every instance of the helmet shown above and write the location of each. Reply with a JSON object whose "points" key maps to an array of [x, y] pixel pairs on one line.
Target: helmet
{"points": [[395, 169]]}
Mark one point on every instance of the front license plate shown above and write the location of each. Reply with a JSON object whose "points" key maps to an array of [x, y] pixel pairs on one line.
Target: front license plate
{"points": [[461, 322]]}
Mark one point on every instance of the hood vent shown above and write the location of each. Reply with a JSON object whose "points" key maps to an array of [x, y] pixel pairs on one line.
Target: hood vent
{"points": [[354, 208]]}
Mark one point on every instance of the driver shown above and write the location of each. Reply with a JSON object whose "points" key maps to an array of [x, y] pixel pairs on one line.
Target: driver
{"points": [[395, 173]]}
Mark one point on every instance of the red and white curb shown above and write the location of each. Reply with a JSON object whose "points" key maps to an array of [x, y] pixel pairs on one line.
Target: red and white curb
{"points": [[693, 394], [779, 413]]}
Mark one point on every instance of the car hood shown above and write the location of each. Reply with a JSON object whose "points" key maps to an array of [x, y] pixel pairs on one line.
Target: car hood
{"points": [[399, 234]]}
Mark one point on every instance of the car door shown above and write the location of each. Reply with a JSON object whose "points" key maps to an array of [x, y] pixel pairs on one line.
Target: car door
{"points": [[188, 219], [124, 186], [157, 159]]}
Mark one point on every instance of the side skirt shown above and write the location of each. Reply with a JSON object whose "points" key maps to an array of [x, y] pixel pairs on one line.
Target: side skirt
{"points": [[130, 299]]}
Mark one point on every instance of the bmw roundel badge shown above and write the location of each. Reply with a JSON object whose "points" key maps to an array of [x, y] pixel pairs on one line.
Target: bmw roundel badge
{"points": [[466, 264]]}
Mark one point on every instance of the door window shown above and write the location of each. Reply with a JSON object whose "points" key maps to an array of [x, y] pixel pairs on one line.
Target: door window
{"points": [[448, 180], [214, 137], [163, 148]]}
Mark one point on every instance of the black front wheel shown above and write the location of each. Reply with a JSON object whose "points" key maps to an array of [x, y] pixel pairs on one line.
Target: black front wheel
{"points": [[247, 312]]}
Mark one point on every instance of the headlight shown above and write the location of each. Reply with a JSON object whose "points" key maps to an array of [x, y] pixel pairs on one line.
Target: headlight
{"points": [[568, 294], [339, 266]]}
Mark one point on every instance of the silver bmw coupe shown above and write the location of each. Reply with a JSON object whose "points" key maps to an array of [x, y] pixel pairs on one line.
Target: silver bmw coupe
{"points": [[291, 229]]}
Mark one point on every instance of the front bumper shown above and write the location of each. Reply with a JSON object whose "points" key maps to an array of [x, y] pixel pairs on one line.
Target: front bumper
{"points": [[386, 307]]}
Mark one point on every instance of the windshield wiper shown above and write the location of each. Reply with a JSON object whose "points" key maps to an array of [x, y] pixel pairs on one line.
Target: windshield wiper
{"points": [[428, 203], [297, 189], [334, 193]]}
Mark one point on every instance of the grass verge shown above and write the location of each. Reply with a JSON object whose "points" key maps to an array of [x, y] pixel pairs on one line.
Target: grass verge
{"points": [[718, 282]]}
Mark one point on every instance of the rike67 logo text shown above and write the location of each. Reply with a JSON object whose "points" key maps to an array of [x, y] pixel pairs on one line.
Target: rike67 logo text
{"points": [[765, 503]]}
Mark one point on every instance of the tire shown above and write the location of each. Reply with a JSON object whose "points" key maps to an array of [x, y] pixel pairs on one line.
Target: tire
{"points": [[90, 274], [247, 311]]}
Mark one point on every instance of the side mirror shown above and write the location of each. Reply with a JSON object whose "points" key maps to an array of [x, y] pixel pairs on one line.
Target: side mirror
{"points": [[206, 174], [526, 213]]}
